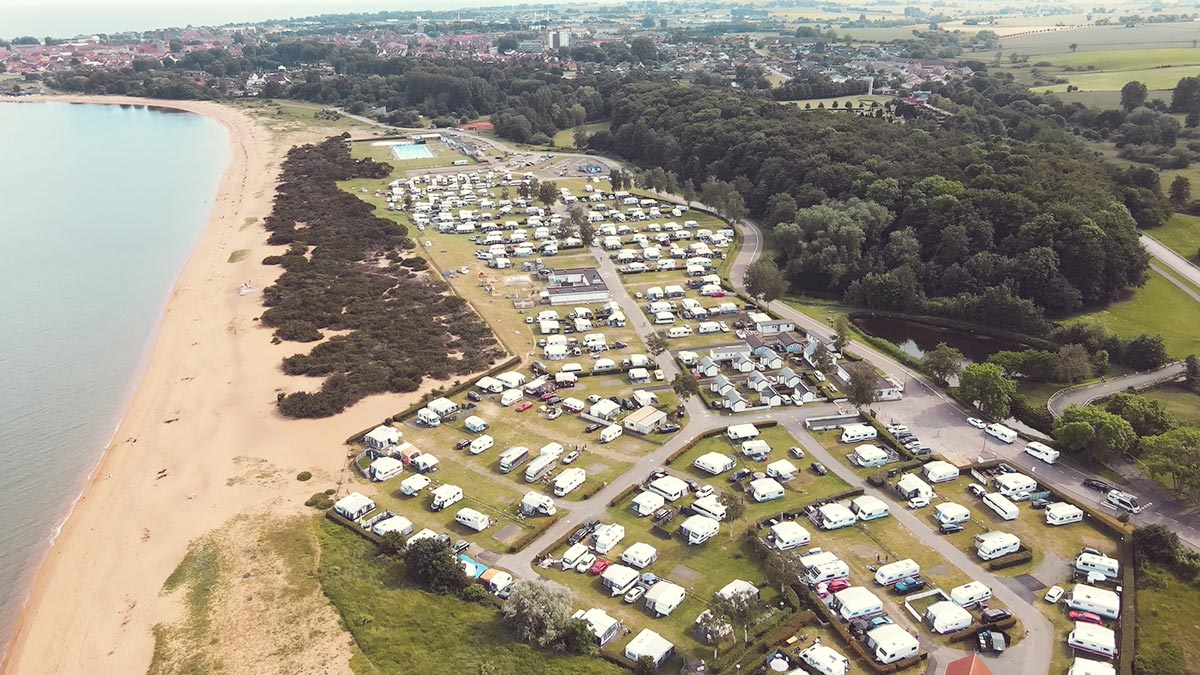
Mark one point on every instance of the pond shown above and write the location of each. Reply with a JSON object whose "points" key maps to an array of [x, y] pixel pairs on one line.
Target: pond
{"points": [[916, 338]]}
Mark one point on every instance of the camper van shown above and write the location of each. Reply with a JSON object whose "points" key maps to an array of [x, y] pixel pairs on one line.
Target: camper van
{"points": [[481, 444], [1115, 499], [679, 331], [890, 573], [512, 458], [970, 594], [568, 480], [1042, 451], [610, 433], [1062, 513], [992, 545], [855, 433], [1002, 432], [446, 495], [1001, 505], [1088, 563], [473, 519], [539, 467], [573, 555]]}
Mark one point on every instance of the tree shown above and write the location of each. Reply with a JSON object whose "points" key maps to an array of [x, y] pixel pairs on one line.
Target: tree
{"points": [[782, 569], [1074, 364], [765, 282], [1073, 46], [537, 611], [1175, 453], [1133, 94], [985, 384], [431, 564], [1192, 120], [1186, 96], [1147, 417], [944, 362], [1180, 191], [1157, 544], [576, 217], [390, 544], [735, 508], [841, 332], [547, 193], [587, 233], [824, 360], [860, 389], [1146, 352], [685, 386], [643, 49], [578, 638], [580, 137], [645, 666], [1191, 377], [656, 344], [1093, 432], [737, 609]]}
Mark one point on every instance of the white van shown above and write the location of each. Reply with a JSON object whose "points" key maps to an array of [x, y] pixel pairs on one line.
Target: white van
{"points": [[890, 573], [992, 545], [573, 555], [446, 495], [855, 433], [1115, 499], [481, 444], [679, 331], [1042, 451], [1002, 432], [1001, 505], [610, 433], [568, 480]]}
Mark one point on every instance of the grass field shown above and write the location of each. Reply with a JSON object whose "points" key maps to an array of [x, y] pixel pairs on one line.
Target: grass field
{"points": [[399, 629], [1128, 59], [1168, 612], [1183, 404], [566, 137], [1153, 78], [841, 101], [1101, 38], [1158, 308], [1180, 234]]}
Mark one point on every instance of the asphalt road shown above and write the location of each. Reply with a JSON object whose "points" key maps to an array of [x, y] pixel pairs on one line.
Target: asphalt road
{"points": [[1171, 259]]}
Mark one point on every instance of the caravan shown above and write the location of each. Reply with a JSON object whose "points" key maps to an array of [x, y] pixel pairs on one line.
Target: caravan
{"points": [[868, 507], [714, 463], [510, 397], [610, 433], [1095, 639], [1001, 505], [938, 471], [992, 545], [741, 432], [484, 442], [710, 506], [473, 519], [789, 535], [1010, 484], [1001, 432], [824, 660], [1091, 563], [970, 594], [765, 490], [1062, 513], [1042, 451], [568, 480], [855, 433], [573, 556], [445, 495], [1099, 601], [670, 487], [890, 573]]}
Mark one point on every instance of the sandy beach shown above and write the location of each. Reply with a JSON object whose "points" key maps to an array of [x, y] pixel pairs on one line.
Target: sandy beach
{"points": [[200, 445]]}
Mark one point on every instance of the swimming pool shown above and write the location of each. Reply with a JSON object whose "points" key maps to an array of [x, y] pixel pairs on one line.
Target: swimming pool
{"points": [[404, 151]]}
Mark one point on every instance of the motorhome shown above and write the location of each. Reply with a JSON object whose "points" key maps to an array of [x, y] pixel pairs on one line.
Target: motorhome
{"points": [[1001, 505], [856, 433], [512, 458], [568, 480], [789, 535], [1062, 513], [992, 545], [573, 555], [428, 417], [1001, 432], [714, 463], [539, 467], [1123, 501], [479, 445], [535, 503], [710, 506], [473, 519], [445, 495], [868, 507], [699, 529], [1099, 601], [670, 487], [1088, 563], [741, 432], [856, 602], [970, 594], [765, 490], [938, 471], [949, 513], [1042, 451], [646, 503], [1094, 639], [890, 573]]}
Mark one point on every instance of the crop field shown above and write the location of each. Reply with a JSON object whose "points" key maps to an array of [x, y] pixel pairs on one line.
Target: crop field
{"points": [[1153, 78], [1128, 59], [1102, 38]]}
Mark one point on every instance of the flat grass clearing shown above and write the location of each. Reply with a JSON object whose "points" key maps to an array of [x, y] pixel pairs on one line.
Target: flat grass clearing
{"points": [[1153, 78], [865, 99], [1168, 611], [1128, 59], [1158, 308], [1180, 234], [238, 255], [400, 629], [1093, 38], [566, 137], [443, 155], [1107, 100], [1184, 405]]}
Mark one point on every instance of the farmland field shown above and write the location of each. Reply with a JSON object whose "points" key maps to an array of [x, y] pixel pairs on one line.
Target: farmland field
{"points": [[1153, 78], [1103, 38], [1129, 59]]}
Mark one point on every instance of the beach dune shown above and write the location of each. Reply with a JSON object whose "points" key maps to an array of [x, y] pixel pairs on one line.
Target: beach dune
{"points": [[200, 444]]}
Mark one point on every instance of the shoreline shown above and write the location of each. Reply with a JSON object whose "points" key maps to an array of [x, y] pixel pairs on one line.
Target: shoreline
{"points": [[202, 409]]}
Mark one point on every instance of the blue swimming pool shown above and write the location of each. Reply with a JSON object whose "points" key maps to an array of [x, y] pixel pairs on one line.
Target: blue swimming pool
{"points": [[404, 151]]}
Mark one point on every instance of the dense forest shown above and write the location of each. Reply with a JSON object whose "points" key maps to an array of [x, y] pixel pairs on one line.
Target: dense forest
{"points": [[347, 270], [962, 220]]}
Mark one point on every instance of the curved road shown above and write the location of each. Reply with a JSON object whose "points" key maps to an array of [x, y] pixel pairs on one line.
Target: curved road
{"points": [[1066, 398]]}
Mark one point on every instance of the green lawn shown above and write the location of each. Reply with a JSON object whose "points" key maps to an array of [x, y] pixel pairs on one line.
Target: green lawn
{"points": [[1181, 403], [1127, 59], [1180, 234], [1153, 78], [399, 629], [842, 101], [1156, 308], [566, 137], [1168, 611]]}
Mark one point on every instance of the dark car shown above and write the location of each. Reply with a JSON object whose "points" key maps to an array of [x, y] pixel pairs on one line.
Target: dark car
{"points": [[1097, 485], [950, 528], [819, 469], [739, 474], [474, 396], [578, 535], [554, 400], [619, 345], [692, 485], [629, 404], [994, 615], [909, 585], [592, 427], [615, 399], [462, 545], [462, 444], [1040, 503], [922, 451], [668, 428]]}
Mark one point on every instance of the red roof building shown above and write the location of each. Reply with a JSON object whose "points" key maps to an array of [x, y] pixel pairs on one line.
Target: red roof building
{"points": [[969, 665]]}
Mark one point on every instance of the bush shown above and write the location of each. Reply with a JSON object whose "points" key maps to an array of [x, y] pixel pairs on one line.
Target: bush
{"points": [[475, 593], [320, 501], [303, 476]]}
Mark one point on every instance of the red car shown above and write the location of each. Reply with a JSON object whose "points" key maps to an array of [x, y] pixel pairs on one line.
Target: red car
{"points": [[838, 585], [1085, 617], [525, 405], [599, 566]]}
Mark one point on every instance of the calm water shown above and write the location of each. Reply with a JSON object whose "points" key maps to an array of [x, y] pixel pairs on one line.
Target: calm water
{"points": [[917, 338], [99, 209]]}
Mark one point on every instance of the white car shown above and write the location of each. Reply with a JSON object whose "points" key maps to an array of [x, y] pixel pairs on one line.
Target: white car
{"points": [[1054, 594], [976, 422], [896, 428], [635, 594], [920, 501], [585, 563], [571, 457], [704, 491]]}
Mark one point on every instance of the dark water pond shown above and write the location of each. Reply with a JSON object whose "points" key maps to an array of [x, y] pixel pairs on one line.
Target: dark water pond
{"points": [[916, 338]]}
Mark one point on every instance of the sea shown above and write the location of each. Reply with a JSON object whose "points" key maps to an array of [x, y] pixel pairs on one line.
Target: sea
{"points": [[100, 207]]}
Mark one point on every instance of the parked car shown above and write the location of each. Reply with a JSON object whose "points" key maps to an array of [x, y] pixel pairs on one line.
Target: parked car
{"points": [[571, 457], [592, 427], [819, 469], [585, 563], [1054, 594], [599, 566], [704, 491], [796, 452], [461, 546], [976, 489], [909, 585], [548, 395], [1097, 485], [462, 444], [994, 615], [896, 429], [918, 502], [950, 528], [554, 413], [593, 398], [976, 422], [1085, 617], [635, 594], [1039, 503], [649, 579], [474, 396], [525, 405], [555, 400], [619, 345], [838, 585], [739, 474], [668, 428]]}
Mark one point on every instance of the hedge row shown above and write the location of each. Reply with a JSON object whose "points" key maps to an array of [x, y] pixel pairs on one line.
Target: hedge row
{"points": [[973, 632], [709, 434], [1019, 558], [623, 494], [527, 538]]}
